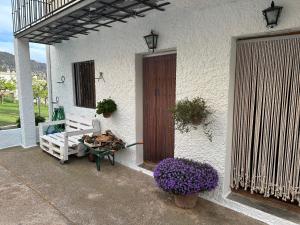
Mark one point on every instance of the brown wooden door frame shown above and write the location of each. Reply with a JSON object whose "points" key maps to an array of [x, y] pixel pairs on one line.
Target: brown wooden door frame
{"points": [[159, 93]]}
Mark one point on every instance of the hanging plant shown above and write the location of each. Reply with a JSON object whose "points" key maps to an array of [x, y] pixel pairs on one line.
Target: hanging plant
{"points": [[106, 107], [189, 114]]}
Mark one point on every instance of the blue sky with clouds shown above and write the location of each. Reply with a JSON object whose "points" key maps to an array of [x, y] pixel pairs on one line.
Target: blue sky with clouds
{"points": [[37, 51]]}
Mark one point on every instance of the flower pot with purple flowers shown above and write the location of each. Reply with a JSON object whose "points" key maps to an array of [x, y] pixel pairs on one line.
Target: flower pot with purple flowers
{"points": [[185, 179]]}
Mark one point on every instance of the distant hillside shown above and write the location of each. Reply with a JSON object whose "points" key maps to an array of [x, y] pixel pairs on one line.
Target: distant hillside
{"points": [[7, 62]]}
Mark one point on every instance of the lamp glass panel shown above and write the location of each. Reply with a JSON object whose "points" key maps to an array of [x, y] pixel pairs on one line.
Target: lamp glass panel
{"points": [[155, 40], [272, 16], [149, 40]]}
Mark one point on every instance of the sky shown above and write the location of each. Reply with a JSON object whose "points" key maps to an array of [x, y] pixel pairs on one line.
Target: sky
{"points": [[37, 51]]}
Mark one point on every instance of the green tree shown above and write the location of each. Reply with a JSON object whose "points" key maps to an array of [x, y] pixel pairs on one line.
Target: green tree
{"points": [[6, 87], [44, 95], [39, 87]]}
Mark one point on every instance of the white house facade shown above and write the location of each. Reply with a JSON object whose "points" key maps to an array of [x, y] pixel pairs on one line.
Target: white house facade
{"points": [[203, 35]]}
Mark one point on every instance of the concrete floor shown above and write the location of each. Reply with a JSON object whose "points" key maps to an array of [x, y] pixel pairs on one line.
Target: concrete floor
{"points": [[36, 189]]}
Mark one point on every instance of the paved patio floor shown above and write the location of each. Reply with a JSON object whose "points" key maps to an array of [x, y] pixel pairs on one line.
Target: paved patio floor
{"points": [[36, 189]]}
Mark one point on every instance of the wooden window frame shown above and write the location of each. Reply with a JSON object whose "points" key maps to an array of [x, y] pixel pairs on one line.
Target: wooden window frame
{"points": [[89, 100]]}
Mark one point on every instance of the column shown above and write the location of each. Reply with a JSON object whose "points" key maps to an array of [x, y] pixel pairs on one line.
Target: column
{"points": [[25, 93]]}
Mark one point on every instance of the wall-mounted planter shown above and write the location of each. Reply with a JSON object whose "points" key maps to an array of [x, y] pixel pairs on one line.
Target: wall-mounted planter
{"points": [[106, 107], [189, 114], [107, 115]]}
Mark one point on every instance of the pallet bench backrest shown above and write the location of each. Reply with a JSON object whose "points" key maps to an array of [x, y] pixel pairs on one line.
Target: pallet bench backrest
{"points": [[74, 122]]}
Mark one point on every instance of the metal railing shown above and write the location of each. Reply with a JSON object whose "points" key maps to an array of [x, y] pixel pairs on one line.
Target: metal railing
{"points": [[26, 13]]}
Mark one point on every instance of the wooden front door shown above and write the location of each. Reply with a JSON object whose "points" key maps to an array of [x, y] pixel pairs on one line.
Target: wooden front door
{"points": [[159, 83]]}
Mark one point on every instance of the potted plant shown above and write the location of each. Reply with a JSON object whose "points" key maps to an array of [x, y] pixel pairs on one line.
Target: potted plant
{"points": [[38, 119], [185, 179], [106, 107], [189, 114]]}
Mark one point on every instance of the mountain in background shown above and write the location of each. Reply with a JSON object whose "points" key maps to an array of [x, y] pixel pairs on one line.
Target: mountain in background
{"points": [[7, 63]]}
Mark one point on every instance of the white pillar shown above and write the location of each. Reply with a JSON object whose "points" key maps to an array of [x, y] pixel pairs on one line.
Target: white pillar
{"points": [[49, 82], [25, 93]]}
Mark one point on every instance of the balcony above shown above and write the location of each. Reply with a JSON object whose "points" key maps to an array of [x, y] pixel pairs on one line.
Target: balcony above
{"points": [[52, 21]]}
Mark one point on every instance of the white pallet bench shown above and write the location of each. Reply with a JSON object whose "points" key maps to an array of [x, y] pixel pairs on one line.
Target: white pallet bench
{"points": [[63, 144]]}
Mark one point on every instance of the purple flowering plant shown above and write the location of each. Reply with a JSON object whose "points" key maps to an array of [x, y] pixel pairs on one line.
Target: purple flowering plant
{"points": [[183, 177]]}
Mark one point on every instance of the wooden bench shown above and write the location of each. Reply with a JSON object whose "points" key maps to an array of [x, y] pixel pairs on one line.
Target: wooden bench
{"points": [[63, 144]]}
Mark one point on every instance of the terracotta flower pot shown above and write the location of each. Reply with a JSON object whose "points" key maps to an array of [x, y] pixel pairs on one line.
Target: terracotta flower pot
{"points": [[107, 115], [186, 201], [196, 121], [91, 157]]}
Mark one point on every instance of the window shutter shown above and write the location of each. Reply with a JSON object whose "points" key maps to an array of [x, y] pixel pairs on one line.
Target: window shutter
{"points": [[84, 84]]}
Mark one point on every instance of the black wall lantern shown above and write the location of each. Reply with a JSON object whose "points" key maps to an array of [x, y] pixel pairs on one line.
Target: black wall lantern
{"points": [[151, 40], [272, 15]]}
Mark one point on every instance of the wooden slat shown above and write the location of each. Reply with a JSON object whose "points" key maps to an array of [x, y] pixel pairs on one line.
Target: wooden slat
{"points": [[57, 140], [79, 119], [72, 140], [165, 100], [149, 108], [76, 125]]}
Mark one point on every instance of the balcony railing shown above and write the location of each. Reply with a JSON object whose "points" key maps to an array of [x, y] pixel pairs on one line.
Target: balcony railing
{"points": [[54, 21], [26, 13]]}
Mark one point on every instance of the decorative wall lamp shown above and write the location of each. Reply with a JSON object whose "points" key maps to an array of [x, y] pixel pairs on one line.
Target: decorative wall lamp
{"points": [[151, 40], [101, 77], [56, 100], [62, 80], [272, 14]]}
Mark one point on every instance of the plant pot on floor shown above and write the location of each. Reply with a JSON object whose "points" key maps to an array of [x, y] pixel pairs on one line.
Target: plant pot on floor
{"points": [[91, 157], [185, 179], [186, 201]]}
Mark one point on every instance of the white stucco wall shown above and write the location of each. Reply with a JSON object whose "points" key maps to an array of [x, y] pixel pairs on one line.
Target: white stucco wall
{"points": [[10, 138], [13, 137], [203, 34]]}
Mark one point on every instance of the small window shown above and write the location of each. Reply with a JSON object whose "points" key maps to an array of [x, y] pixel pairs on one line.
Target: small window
{"points": [[84, 84]]}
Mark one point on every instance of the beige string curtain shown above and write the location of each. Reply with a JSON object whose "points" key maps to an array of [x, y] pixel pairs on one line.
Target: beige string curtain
{"points": [[266, 123]]}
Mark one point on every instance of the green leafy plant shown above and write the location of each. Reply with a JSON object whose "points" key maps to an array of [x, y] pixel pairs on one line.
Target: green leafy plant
{"points": [[9, 99], [189, 114], [6, 86], [38, 119], [106, 107], [40, 91]]}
